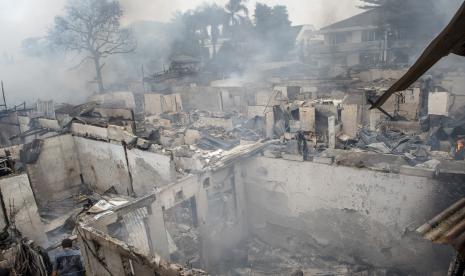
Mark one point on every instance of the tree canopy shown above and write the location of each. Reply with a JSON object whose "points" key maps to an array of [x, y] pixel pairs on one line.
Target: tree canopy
{"points": [[273, 27]]}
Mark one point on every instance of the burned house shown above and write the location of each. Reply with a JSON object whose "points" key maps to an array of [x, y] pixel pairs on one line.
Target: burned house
{"points": [[287, 174], [178, 190], [182, 69]]}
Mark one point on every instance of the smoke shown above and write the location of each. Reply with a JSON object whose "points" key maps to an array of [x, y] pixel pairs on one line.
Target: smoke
{"points": [[29, 78], [316, 12]]}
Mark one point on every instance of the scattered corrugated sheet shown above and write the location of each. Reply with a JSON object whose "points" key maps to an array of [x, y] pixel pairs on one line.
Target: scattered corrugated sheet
{"points": [[448, 227], [135, 225]]}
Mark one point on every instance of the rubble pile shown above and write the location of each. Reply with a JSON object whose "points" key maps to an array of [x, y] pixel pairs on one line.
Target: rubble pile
{"points": [[185, 236], [194, 170], [263, 259]]}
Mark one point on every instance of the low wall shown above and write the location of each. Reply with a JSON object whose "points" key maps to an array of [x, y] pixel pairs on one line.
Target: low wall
{"points": [[21, 206], [150, 170], [352, 215], [103, 165], [56, 174]]}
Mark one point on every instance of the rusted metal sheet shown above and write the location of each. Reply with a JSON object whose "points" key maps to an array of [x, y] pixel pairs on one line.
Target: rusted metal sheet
{"points": [[450, 40], [448, 227]]}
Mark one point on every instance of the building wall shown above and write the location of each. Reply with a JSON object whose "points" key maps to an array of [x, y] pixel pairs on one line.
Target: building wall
{"points": [[344, 213], [225, 225], [103, 165], [150, 170], [201, 98], [18, 198], [221, 212], [56, 174]]}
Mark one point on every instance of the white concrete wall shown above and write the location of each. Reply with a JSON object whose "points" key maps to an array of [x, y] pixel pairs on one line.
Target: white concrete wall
{"points": [[439, 103], [150, 170], [345, 213], [350, 121], [56, 174], [103, 165], [202, 98], [89, 131], [120, 99], [21, 206]]}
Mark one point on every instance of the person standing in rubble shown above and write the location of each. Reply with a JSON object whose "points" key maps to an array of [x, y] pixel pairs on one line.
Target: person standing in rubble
{"points": [[302, 144], [460, 150], [68, 262]]}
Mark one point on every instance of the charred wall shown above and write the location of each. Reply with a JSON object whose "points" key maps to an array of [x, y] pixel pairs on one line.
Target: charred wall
{"points": [[348, 214], [56, 173]]}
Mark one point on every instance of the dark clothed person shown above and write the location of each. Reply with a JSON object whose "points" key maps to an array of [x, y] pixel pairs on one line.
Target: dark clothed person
{"points": [[68, 262]]}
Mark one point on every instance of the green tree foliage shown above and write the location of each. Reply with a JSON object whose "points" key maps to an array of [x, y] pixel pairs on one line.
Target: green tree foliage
{"points": [[92, 28], [191, 36], [273, 27], [237, 12], [214, 17], [197, 27]]}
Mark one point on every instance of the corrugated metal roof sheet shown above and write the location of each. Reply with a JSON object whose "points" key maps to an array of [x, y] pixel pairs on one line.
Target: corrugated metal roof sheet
{"points": [[448, 227]]}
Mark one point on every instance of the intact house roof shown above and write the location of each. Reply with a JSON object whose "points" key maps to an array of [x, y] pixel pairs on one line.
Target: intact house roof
{"points": [[364, 19]]}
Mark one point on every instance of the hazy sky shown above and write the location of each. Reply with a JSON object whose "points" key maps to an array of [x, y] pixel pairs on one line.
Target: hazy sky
{"points": [[20, 19], [33, 78]]}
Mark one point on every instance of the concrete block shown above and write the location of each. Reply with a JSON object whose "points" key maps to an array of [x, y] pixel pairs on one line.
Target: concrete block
{"points": [[350, 120], [152, 104], [375, 119], [118, 133], [49, 124], [192, 136], [158, 104], [332, 132], [89, 131], [121, 99], [438, 103], [171, 103], [307, 118], [269, 123]]}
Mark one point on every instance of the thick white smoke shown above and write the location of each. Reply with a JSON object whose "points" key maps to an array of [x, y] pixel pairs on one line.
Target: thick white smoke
{"points": [[29, 78]]}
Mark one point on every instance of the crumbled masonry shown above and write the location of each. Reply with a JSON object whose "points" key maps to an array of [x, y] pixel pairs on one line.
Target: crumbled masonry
{"points": [[288, 173]]}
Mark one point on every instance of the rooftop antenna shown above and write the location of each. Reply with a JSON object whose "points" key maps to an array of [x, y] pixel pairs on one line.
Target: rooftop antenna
{"points": [[4, 100]]}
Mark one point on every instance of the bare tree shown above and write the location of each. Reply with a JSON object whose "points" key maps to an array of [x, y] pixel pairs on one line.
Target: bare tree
{"points": [[92, 27]]}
